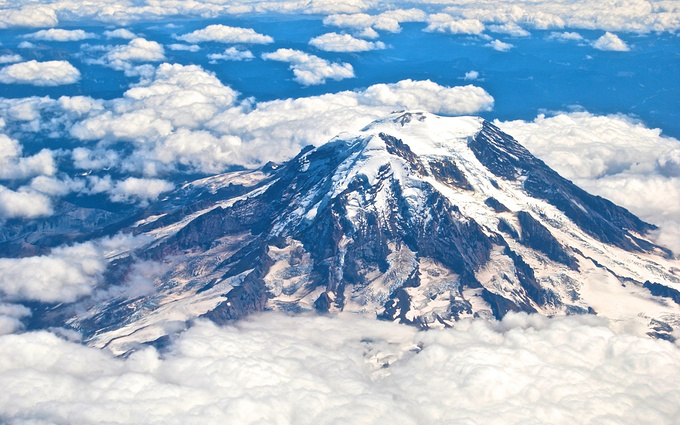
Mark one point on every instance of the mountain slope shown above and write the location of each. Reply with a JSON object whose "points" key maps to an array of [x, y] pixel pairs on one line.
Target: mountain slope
{"points": [[416, 218]]}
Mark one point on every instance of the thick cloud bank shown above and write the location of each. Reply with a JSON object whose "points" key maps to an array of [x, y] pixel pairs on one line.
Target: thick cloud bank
{"points": [[50, 73], [615, 157], [318, 370], [610, 15]]}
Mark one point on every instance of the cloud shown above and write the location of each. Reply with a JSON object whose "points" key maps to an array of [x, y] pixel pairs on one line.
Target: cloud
{"points": [[183, 117], [226, 34], [137, 50], [633, 15], [232, 54], [10, 59], [60, 35], [120, 33], [510, 28], [389, 20], [50, 73], [345, 369], [184, 47], [23, 204], [444, 23], [66, 274], [499, 45], [565, 36], [334, 42], [14, 166], [615, 157], [610, 42], [26, 45], [136, 189], [309, 69], [608, 15], [10, 318], [28, 16], [471, 76]]}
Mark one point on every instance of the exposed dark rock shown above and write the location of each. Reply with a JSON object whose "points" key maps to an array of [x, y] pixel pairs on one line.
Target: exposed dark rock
{"points": [[660, 290], [496, 205], [536, 236], [446, 171]]}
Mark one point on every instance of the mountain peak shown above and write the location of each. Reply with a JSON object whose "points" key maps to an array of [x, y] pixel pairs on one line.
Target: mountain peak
{"points": [[416, 218]]}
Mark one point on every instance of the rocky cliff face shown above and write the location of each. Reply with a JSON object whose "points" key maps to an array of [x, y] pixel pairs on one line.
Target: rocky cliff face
{"points": [[416, 218]]}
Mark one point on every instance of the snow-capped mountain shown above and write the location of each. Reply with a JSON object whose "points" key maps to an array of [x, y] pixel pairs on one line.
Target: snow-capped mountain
{"points": [[416, 218]]}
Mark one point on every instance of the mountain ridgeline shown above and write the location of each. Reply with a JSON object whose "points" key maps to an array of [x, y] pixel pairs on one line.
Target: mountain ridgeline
{"points": [[416, 218]]}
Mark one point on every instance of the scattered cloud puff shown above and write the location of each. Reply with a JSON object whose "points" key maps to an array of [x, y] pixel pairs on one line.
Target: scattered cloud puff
{"points": [[386, 21], [10, 59], [565, 36], [610, 42], [232, 54], [471, 76], [132, 189], [510, 28], [334, 42], [309, 69], [120, 33], [615, 157], [10, 318], [445, 23], [23, 203], [53, 34], [14, 166], [184, 47], [26, 45], [499, 45], [346, 369], [50, 73], [137, 50], [226, 34]]}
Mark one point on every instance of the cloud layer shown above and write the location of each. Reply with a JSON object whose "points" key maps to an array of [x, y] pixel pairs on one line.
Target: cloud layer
{"points": [[610, 15], [321, 370]]}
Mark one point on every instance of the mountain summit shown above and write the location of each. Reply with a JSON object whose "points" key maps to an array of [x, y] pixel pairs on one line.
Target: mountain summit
{"points": [[416, 218]]}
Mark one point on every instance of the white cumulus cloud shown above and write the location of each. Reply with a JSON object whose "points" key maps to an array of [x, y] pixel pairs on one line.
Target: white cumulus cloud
{"points": [[137, 50], [499, 45], [49, 73], [445, 23], [309, 69], [120, 33], [232, 54], [611, 42], [334, 42], [23, 204], [344, 369], [58, 34], [10, 58], [389, 20], [14, 166], [226, 34]]}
